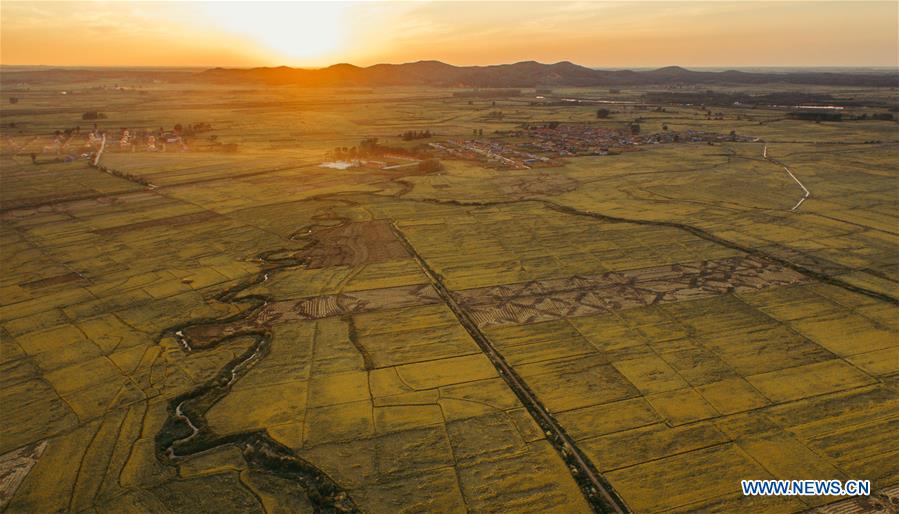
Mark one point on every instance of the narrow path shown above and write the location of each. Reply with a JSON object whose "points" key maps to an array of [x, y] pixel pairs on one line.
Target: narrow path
{"points": [[100, 151], [805, 192], [116, 173], [596, 490]]}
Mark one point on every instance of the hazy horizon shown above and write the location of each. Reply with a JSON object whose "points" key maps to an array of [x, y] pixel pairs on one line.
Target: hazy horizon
{"points": [[201, 68], [603, 35]]}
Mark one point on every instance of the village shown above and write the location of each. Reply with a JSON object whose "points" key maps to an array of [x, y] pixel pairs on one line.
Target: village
{"points": [[74, 143], [546, 144]]}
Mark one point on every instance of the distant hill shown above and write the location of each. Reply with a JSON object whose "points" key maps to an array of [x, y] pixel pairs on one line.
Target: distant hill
{"points": [[435, 73], [528, 74]]}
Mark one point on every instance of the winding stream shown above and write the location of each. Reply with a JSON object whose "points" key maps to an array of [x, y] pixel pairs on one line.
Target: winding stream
{"points": [[186, 432]]}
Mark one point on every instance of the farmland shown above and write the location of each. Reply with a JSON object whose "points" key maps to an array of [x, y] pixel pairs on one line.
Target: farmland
{"points": [[228, 326]]}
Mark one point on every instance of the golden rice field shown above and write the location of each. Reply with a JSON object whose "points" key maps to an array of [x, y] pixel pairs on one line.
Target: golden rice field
{"points": [[201, 331]]}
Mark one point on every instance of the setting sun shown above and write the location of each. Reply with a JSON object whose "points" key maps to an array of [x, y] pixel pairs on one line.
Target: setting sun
{"points": [[293, 31]]}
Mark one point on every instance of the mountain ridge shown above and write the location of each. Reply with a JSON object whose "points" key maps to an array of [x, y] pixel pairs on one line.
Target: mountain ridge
{"points": [[434, 73], [526, 74]]}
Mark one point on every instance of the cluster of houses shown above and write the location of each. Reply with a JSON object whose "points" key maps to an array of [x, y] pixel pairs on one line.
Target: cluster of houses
{"points": [[150, 141], [569, 139], [69, 145], [65, 142], [543, 145], [493, 153]]}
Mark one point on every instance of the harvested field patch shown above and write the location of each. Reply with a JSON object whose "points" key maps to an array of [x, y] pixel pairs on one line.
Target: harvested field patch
{"points": [[170, 222], [52, 281], [351, 244], [539, 184], [15, 466], [536, 301]]}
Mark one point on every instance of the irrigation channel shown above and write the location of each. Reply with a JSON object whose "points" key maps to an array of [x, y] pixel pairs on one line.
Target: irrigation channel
{"points": [[186, 432]]}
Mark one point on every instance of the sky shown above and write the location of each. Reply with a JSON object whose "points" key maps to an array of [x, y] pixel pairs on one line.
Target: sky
{"points": [[622, 34]]}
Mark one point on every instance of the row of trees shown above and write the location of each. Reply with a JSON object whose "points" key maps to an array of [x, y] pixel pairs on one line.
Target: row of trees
{"points": [[191, 129], [409, 135], [371, 147]]}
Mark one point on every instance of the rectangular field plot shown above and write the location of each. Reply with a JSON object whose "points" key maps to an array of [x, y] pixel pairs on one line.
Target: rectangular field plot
{"points": [[223, 324], [669, 374]]}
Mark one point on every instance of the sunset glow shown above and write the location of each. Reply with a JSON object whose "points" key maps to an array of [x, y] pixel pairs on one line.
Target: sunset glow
{"points": [[310, 34], [295, 31]]}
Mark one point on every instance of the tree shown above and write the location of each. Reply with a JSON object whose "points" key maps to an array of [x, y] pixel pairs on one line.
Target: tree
{"points": [[664, 126], [635, 128], [602, 113], [368, 145]]}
